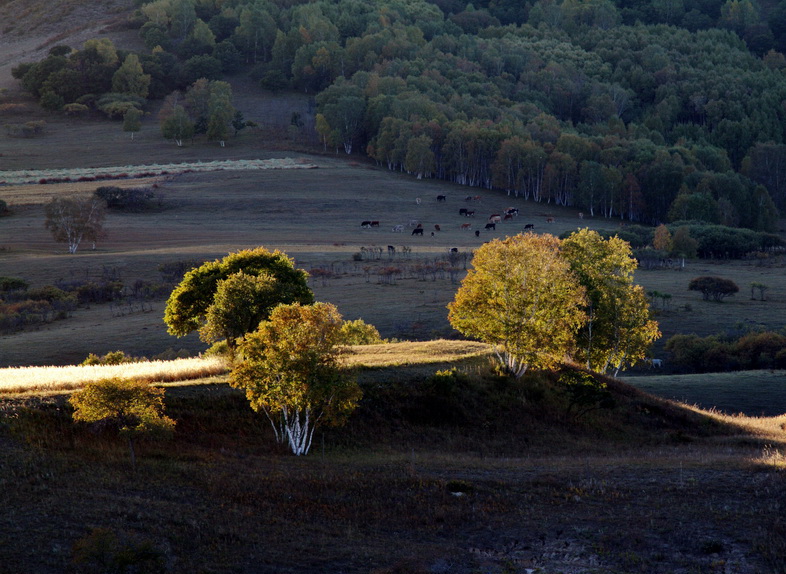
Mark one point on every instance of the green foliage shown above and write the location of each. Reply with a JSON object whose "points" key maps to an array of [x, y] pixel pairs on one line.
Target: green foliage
{"points": [[188, 304], [713, 288], [358, 332], [240, 302], [714, 353], [110, 358], [131, 408], [290, 368], [619, 329], [585, 393], [13, 284]]}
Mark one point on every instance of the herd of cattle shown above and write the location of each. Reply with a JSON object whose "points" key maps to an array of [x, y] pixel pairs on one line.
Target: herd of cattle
{"points": [[491, 223]]}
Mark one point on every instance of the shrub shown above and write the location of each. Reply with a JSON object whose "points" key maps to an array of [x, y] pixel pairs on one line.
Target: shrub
{"points": [[715, 288], [13, 284], [111, 358], [132, 199], [358, 332]]}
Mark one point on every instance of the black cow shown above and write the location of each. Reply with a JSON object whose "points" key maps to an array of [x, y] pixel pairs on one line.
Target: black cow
{"points": [[529, 226], [417, 231], [365, 224], [491, 226], [463, 211], [442, 198]]}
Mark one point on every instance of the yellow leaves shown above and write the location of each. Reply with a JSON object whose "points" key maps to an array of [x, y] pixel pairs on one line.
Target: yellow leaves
{"points": [[522, 297]]}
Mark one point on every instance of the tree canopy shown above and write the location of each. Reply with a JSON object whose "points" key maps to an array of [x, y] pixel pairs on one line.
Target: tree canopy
{"points": [[190, 303], [619, 329], [521, 297], [291, 369]]}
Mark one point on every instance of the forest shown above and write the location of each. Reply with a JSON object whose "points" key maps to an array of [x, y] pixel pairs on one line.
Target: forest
{"points": [[651, 112]]}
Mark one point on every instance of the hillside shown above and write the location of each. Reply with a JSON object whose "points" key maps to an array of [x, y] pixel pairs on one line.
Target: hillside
{"points": [[460, 474]]}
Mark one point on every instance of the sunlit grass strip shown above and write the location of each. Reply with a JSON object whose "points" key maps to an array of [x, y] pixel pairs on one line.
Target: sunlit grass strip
{"points": [[132, 171], [41, 379], [409, 353]]}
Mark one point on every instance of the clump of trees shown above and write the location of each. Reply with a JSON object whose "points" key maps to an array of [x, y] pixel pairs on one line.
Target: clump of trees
{"points": [[713, 288], [719, 353], [539, 301], [227, 298]]}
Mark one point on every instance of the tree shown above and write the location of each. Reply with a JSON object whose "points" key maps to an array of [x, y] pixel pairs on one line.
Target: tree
{"points": [[132, 121], [187, 307], [619, 329], [132, 408], [715, 288], [241, 301], [662, 239], [130, 78], [178, 126], [71, 219], [522, 298], [291, 369], [358, 332], [220, 112]]}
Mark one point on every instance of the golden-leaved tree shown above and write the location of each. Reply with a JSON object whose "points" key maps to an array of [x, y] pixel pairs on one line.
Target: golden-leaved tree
{"points": [[522, 297], [619, 328], [291, 369]]}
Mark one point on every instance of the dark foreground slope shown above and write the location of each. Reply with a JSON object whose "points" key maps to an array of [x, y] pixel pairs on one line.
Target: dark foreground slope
{"points": [[456, 473]]}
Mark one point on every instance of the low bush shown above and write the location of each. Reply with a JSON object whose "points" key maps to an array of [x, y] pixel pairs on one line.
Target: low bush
{"points": [[131, 199]]}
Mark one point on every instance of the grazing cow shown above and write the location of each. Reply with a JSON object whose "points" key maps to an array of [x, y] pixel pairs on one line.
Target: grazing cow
{"points": [[470, 213], [475, 198], [529, 226], [468, 198], [657, 363], [466, 226], [495, 218], [491, 226], [507, 217], [512, 211], [365, 224], [453, 249], [550, 220], [463, 211], [417, 231], [442, 198], [375, 224], [437, 227], [398, 228], [477, 233]]}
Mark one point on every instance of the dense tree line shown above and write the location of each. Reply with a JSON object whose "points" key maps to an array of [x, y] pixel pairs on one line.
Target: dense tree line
{"points": [[644, 111]]}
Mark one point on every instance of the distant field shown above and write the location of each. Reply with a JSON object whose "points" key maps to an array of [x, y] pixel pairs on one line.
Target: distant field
{"points": [[755, 393]]}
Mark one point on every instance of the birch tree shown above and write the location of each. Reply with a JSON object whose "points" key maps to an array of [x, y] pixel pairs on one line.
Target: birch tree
{"points": [[291, 369], [72, 219], [619, 328], [522, 298]]}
